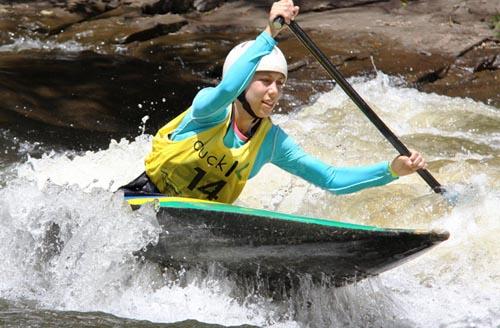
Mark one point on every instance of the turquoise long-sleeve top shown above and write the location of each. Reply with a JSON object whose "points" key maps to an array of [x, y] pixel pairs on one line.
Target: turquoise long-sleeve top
{"points": [[212, 105]]}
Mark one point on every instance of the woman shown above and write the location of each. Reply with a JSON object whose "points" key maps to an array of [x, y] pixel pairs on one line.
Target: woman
{"points": [[226, 136]]}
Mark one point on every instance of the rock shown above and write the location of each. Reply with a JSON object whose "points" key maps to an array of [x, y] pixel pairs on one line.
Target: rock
{"points": [[154, 7], [491, 63], [57, 20], [475, 73], [206, 5], [496, 63], [307, 6], [164, 6], [21, 20], [156, 26], [181, 6], [106, 96], [121, 30], [8, 26], [92, 7]]}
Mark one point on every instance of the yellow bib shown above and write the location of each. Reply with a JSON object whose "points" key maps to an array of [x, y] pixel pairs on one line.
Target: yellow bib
{"points": [[201, 166]]}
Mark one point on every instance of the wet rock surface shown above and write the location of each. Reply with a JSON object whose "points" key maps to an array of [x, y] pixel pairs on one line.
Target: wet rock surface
{"points": [[84, 99], [100, 66]]}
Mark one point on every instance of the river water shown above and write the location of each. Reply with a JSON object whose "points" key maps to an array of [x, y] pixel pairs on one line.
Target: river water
{"points": [[89, 277]]}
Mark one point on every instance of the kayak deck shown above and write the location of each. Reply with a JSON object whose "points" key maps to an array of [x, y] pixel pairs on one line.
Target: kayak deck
{"points": [[277, 246]]}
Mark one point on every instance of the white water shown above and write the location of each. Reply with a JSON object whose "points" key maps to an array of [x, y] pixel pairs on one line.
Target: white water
{"points": [[456, 284], [28, 43]]}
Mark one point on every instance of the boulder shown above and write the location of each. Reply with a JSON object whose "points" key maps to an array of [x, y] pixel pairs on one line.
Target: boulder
{"points": [[106, 33], [92, 7], [89, 96], [160, 7], [206, 5], [22, 20]]}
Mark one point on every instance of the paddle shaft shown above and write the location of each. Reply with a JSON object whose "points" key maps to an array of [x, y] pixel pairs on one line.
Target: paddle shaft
{"points": [[356, 98]]}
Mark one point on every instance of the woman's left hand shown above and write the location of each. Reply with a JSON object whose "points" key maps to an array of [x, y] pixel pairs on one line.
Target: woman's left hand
{"points": [[404, 165]]}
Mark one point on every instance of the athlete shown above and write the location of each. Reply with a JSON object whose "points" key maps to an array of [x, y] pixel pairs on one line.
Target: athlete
{"points": [[226, 136]]}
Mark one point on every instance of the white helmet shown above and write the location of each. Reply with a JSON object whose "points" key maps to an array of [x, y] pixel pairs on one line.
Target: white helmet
{"points": [[274, 62]]}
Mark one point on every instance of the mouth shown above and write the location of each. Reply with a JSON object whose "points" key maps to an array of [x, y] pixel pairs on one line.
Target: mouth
{"points": [[268, 104]]}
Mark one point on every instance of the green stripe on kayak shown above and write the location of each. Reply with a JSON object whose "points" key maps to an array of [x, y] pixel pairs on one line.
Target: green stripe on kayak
{"points": [[220, 207]]}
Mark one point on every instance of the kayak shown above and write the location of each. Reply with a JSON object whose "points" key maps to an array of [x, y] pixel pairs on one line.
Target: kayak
{"points": [[276, 247]]}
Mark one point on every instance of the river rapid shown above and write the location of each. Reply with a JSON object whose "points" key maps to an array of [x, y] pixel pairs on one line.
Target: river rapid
{"points": [[89, 277]]}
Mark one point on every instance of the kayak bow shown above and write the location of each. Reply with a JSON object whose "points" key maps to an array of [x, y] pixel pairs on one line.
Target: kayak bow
{"points": [[275, 245]]}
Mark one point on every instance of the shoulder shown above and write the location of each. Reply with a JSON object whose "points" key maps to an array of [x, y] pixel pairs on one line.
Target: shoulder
{"points": [[280, 137], [274, 129], [280, 144]]}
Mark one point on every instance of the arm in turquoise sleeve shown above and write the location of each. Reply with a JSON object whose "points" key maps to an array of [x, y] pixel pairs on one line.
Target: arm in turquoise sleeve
{"points": [[338, 180], [209, 104]]}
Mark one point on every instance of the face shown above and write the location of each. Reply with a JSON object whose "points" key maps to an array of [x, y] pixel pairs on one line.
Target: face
{"points": [[264, 92]]}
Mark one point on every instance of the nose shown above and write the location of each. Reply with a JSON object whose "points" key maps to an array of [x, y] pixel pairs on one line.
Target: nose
{"points": [[273, 89]]}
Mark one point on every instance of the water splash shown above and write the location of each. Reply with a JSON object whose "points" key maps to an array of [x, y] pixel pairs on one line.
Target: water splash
{"points": [[28, 43], [107, 169]]}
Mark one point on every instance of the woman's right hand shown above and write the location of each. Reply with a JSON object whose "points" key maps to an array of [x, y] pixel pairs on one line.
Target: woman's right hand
{"points": [[285, 9]]}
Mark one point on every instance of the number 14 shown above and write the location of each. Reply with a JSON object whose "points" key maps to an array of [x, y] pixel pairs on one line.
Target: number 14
{"points": [[210, 189]]}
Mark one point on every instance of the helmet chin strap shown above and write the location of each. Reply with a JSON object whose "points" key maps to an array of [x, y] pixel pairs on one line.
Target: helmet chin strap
{"points": [[247, 107]]}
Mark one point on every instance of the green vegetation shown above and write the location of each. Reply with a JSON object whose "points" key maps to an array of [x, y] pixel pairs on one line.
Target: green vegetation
{"points": [[495, 25]]}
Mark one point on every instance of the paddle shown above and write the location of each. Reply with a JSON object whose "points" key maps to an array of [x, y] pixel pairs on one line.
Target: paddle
{"points": [[356, 98]]}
